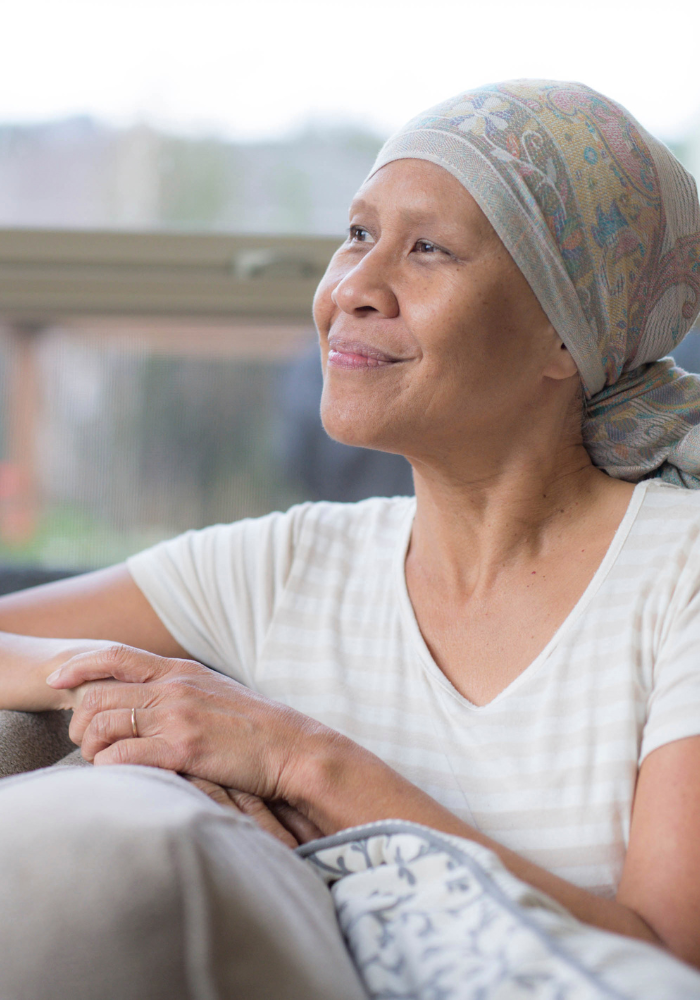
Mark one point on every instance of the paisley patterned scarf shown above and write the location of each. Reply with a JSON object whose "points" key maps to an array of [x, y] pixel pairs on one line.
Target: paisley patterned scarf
{"points": [[605, 225]]}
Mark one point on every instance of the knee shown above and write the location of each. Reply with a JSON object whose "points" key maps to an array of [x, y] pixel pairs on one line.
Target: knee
{"points": [[52, 813], [91, 895], [127, 882]]}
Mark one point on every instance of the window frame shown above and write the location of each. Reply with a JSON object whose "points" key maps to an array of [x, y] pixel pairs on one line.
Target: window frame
{"points": [[48, 274]]}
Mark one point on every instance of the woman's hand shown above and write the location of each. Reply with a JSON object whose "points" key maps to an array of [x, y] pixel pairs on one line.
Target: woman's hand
{"points": [[189, 719]]}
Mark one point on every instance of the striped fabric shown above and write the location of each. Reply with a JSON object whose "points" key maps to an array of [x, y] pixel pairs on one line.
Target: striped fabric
{"points": [[311, 608]]}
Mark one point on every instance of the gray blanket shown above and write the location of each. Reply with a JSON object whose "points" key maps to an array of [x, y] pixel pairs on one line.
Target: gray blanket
{"points": [[427, 916]]}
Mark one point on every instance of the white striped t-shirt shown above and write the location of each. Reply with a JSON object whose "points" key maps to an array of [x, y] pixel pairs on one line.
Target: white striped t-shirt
{"points": [[310, 607]]}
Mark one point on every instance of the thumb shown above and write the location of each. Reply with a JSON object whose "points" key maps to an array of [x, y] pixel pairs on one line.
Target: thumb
{"points": [[123, 663]]}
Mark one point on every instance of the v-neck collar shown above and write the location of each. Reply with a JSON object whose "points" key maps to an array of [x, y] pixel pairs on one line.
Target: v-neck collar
{"points": [[410, 622]]}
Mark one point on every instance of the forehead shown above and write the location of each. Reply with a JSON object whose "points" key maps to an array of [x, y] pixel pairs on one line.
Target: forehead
{"points": [[416, 191]]}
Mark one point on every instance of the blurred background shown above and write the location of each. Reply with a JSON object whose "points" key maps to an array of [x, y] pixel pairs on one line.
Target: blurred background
{"points": [[173, 178]]}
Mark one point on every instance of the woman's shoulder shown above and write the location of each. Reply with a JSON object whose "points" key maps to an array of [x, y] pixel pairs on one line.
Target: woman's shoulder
{"points": [[322, 536], [673, 509], [317, 525], [666, 530], [665, 569], [377, 521], [217, 588]]}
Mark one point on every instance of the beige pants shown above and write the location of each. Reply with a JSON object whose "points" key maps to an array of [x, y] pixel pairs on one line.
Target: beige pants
{"points": [[127, 883]]}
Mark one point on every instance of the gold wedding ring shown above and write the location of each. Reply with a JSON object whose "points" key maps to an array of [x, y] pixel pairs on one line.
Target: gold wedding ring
{"points": [[134, 727]]}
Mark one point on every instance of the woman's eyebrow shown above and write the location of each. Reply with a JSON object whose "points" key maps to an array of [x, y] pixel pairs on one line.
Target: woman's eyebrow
{"points": [[359, 205], [412, 216], [409, 217]]}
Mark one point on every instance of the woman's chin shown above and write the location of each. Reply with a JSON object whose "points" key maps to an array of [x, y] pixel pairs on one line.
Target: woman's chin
{"points": [[355, 426], [349, 433]]}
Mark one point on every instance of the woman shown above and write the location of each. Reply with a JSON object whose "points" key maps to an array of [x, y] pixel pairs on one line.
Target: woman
{"points": [[512, 657]]}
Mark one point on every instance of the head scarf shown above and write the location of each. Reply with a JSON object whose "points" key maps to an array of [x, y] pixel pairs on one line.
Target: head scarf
{"points": [[604, 223]]}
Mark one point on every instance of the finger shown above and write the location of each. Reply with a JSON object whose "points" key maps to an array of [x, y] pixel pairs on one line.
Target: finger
{"points": [[109, 727], [150, 752], [246, 804], [106, 696], [300, 826], [123, 663], [214, 791], [254, 807]]}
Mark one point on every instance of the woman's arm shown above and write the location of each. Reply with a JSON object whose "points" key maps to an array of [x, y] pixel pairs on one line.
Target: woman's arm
{"points": [[26, 662], [195, 721], [661, 876], [340, 785], [105, 605]]}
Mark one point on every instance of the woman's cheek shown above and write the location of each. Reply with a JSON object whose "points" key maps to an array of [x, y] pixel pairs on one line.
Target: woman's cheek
{"points": [[323, 305]]}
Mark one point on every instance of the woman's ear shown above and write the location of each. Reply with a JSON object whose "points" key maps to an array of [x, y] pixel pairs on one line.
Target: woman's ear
{"points": [[561, 365]]}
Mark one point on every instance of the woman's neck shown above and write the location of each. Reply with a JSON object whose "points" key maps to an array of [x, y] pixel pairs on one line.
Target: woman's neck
{"points": [[474, 524]]}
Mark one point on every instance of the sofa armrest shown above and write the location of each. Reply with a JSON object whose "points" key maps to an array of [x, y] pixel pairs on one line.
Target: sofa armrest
{"points": [[29, 740]]}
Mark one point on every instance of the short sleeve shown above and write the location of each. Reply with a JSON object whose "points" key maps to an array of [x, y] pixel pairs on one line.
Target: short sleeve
{"points": [[215, 590], [673, 707]]}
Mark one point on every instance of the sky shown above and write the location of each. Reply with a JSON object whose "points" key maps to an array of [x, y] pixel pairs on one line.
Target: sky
{"points": [[262, 68]]}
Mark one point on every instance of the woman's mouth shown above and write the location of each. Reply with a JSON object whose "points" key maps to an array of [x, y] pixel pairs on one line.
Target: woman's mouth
{"points": [[353, 355]]}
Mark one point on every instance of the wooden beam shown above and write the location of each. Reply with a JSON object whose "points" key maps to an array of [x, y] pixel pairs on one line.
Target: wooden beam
{"points": [[51, 274]]}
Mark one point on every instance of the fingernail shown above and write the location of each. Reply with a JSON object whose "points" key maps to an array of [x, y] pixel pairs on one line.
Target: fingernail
{"points": [[52, 678]]}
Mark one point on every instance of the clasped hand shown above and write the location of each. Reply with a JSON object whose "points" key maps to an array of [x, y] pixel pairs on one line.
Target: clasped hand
{"points": [[194, 721]]}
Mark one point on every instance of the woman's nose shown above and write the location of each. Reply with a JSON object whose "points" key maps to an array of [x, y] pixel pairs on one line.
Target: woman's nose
{"points": [[367, 288]]}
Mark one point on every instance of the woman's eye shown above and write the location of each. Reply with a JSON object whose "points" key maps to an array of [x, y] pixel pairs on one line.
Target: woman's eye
{"points": [[358, 234], [425, 246]]}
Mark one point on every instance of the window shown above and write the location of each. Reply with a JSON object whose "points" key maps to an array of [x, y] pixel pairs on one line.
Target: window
{"points": [[154, 383]]}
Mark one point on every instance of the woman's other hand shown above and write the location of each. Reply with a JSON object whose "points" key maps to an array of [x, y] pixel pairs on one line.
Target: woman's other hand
{"points": [[279, 819], [188, 719]]}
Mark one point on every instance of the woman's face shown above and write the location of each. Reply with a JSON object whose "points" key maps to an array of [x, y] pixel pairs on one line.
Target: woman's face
{"points": [[431, 339]]}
